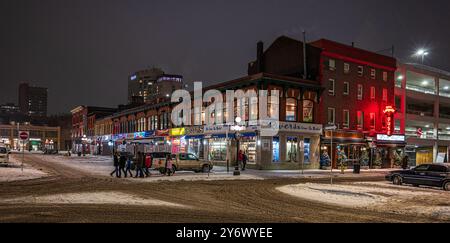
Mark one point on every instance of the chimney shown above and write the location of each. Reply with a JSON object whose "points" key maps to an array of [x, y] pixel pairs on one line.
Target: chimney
{"points": [[260, 57]]}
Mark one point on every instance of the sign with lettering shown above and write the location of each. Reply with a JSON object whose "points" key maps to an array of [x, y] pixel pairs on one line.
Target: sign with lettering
{"points": [[300, 127], [194, 130], [393, 138], [389, 112]]}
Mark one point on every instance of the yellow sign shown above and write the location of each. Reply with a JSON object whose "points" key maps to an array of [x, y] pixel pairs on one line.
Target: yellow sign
{"points": [[177, 131]]}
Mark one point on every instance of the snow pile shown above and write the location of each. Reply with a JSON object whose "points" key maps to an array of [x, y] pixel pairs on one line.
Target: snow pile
{"points": [[14, 172], [117, 198], [377, 196]]}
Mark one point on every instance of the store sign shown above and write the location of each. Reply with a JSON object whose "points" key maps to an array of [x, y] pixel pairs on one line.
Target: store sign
{"points": [[300, 127], [162, 133], [177, 131], [389, 116], [392, 138], [194, 130], [139, 135], [215, 129]]}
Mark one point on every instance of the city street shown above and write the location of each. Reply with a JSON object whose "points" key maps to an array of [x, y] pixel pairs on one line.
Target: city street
{"points": [[66, 192]]}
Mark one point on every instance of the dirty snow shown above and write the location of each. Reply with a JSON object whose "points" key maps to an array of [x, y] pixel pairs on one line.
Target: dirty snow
{"points": [[378, 196], [96, 165], [118, 198], [14, 171]]}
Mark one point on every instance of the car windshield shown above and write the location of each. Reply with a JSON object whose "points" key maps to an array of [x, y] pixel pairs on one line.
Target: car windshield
{"points": [[3, 151], [421, 168]]}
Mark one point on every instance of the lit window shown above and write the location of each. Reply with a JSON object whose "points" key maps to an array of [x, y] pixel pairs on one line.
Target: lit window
{"points": [[360, 119], [331, 87], [360, 71], [291, 109], [372, 121], [360, 92], [385, 76], [308, 110], [332, 64], [346, 120], [346, 88], [331, 115], [373, 73], [346, 68], [372, 93], [385, 95]]}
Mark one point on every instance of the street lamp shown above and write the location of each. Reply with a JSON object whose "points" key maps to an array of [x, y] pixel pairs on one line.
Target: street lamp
{"points": [[237, 128], [422, 53]]}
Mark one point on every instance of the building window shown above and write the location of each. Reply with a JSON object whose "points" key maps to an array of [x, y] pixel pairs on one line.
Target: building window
{"points": [[372, 93], [360, 92], [373, 73], [331, 115], [308, 109], [397, 125], [360, 71], [346, 121], [291, 108], [385, 95], [331, 87], [346, 88], [254, 108], [332, 64], [385, 76], [372, 121], [398, 102], [346, 68], [360, 119]]}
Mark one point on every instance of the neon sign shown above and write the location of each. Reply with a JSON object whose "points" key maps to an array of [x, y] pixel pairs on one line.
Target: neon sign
{"points": [[389, 112]]}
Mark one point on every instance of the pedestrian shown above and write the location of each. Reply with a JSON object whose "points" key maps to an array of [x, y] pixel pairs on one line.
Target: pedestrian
{"points": [[128, 167], [240, 157], [405, 162], [122, 163], [116, 165], [139, 163], [244, 161], [169, 165], [148, 165]]}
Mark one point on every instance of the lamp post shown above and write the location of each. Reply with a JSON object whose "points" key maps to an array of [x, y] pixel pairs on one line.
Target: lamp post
{"points": [[237, 128], [331, 128]]}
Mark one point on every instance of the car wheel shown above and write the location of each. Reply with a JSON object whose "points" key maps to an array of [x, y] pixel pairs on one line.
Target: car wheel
{"points": [[397, 181], [205, 169], [446, 186]]}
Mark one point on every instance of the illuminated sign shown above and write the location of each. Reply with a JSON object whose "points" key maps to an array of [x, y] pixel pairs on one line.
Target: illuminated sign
{"points": [[393, 138], [134, 77], [389, 112], [177, 131]]}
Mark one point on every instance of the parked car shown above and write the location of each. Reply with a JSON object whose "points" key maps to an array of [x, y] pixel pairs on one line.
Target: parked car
{"points": [[181, 161], [4, 155], [435, 175]]}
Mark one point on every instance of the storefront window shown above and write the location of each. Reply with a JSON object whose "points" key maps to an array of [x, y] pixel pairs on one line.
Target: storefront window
{"points": [[276, 149], [217, 149], [254, 108], [292, 148], [291, 109], [306, 149], [308, 108], [248, 146]]}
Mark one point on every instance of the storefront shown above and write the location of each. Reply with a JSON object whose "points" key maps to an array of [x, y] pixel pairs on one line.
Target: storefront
{"points": [[348, 147], [194, 138], [388, 151]]}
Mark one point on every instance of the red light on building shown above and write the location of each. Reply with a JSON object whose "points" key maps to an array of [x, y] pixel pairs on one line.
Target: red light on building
{"points": [[389, 112]]}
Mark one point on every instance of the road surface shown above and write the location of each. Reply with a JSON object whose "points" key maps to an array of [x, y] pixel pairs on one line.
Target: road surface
{"points": [[251, 201]]}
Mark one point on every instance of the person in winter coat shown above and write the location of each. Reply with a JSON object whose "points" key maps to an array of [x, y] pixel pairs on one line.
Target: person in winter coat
{"points": [[244, 161], [240, 157], [116, 165], [122, 163], [128, 167], [148, 165], [405, 162], [139, 164], [169, 166]]}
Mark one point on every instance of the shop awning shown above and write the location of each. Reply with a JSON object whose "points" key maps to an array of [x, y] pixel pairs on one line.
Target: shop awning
{"points": [[194, 136]]}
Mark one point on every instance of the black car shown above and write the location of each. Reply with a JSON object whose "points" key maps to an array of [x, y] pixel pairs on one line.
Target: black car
{"points": [[435, 175]]}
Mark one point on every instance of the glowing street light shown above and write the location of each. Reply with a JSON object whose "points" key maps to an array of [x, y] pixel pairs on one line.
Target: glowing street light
{"points": [[422, 53]]}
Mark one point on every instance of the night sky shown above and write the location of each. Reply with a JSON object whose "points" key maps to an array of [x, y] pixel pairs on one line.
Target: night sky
{"points": [[83, 50]]}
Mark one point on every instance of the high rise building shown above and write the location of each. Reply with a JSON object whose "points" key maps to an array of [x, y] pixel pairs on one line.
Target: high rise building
{"points": [[33, 100], [152, 85]]}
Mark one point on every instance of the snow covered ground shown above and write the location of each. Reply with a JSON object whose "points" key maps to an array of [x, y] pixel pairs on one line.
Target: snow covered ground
{"points": [[14, 171], [115, 198], [378, 196], [96, 165]]}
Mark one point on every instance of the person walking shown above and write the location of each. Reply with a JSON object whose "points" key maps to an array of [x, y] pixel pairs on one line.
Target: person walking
{"points": [[148, 165], [122, 163], [116, 165], [169, 166], [240, 157], [128, 167], [244, 161], [139, 162], [405, 162]]}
